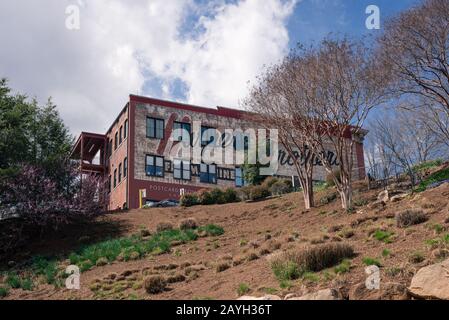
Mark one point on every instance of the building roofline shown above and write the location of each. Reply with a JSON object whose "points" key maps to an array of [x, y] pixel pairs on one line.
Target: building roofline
{"points": [[218, 111]]}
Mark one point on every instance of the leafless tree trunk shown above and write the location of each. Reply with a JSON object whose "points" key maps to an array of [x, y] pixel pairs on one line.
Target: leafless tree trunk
{"points": [[320, 97], [270, 101], [338, 85]]}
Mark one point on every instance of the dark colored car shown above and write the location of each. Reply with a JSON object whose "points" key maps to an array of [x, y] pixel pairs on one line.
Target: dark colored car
{"points": [[166, 203]]}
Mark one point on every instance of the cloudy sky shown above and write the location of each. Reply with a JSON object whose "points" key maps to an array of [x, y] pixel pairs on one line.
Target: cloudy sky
{"points": [[196, 51]]}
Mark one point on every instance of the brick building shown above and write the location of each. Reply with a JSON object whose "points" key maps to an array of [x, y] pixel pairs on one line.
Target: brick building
{"points": [[132, 154]]}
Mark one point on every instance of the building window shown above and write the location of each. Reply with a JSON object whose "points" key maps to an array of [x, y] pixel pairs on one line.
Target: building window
{"points": [[109, 184], [125, 167], [115, 178], [119, 173], [155, 128], [125, 131], [121, 135], [154, 166], [184, 135], [110, 148], [208, 173], [181, 170], [238, 177], [207, 136], [116, 141]]}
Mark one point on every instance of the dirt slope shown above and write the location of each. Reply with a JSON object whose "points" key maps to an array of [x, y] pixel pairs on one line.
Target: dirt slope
{"points": [[250, 227]]}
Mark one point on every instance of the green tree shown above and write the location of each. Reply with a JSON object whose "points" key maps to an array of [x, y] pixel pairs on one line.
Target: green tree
{"points": [[31, 134]]}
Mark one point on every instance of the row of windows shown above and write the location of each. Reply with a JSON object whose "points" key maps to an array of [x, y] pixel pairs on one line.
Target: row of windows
{"points": [[155, 130], [154, 167], [119, 174], [119, 136]]}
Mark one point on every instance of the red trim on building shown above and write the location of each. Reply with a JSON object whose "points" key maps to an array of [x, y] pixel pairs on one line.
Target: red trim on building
{"points": [[219, 111]]}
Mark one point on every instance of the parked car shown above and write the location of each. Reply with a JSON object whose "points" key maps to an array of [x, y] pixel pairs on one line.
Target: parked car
{"points": [[163, 204]]}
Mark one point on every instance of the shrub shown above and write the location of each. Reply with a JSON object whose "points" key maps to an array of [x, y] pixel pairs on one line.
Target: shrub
{"points": [[259, 192], [205, 197], [245, 193], [371, 262], [101, 262], [188, 224], [384, 236], [230, 195], [217, 196], [270, 181], [416, 257], [27, 284], [386, 253], [189, 199], [13, 281], [176, 278], [280, 187], [312, 259], [285, 269], [343, 267], [222, 266], [164, 226], [4, 291], [252, 256], [212, 230], [410, 217], [243, 289], [155, 284]]}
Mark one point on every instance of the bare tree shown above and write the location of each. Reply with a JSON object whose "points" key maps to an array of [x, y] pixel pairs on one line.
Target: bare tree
{"points": [[270, 101], [339, 85], [436, 119], [379, 158], [405, 138], [415, 47]]}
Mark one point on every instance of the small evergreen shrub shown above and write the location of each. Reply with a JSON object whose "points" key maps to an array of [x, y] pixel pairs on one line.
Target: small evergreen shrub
{"points": [[205, 197], [189, 200], [217, 196], [259, 192], [230, 195]]}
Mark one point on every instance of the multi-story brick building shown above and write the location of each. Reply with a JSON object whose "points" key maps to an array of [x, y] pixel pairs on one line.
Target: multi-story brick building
{"points": [[133, 155]]}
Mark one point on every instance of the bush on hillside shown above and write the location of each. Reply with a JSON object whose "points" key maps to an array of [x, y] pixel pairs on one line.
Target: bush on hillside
{"points": [[230, 195], [281, 187], [189, 199], [258, 192], [270, 181], [164, 226], [217, 196], [410, 217], [205, 197], [291, 265], [155, 284]]}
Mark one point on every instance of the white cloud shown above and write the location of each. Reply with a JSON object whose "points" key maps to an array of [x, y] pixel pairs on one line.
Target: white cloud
{"points": [[123, 45]]}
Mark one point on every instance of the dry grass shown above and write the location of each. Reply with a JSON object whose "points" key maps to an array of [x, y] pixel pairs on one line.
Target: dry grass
{"points": [[155, 284], [291, 265], [188, 224], [410, 217], [164, 226]]}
